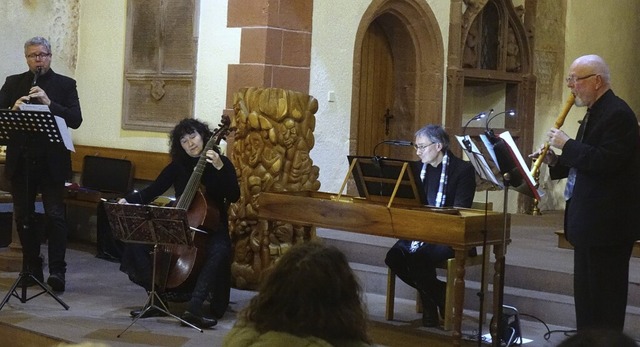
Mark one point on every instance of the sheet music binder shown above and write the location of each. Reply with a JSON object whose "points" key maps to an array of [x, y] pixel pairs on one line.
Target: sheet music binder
{"points": [[385, 179], [149, 224], [505, 153], [479, 162]]}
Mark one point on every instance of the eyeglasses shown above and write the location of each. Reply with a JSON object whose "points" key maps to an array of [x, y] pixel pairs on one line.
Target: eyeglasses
{"points": [[574, 79], [38, 56], [422, 147]]}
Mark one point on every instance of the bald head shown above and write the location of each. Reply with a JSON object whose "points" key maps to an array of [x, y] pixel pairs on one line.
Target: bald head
{"points": [[589, 79], [596, 65]]}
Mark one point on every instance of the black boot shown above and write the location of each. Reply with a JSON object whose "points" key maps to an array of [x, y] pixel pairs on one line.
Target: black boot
{"points": [[198, 320], [430, 316]]}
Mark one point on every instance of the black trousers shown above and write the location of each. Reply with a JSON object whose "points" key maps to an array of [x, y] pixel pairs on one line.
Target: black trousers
{"points": [[213, 281], [31, 178], [418, 268], [601, 284]]}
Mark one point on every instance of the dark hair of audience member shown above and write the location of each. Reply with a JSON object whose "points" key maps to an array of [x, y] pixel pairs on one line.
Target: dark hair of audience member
{"points": [[311, 291]]}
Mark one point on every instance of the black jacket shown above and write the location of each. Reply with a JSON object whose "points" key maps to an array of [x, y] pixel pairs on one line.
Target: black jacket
{"points": [[461, 183], [63, 94], [603, 207]]}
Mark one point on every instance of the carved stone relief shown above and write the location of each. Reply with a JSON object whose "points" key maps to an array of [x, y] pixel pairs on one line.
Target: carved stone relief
{"points": [[270, 151]]}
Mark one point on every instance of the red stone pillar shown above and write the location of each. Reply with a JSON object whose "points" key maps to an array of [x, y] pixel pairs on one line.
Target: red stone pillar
{"points": [[275, 48]]}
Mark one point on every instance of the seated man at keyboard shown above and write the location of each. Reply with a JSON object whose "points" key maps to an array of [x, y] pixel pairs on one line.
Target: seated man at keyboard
{"points": [[447, 181]]}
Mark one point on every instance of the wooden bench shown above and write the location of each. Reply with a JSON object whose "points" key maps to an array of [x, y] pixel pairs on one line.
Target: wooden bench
{"points": [[563, 243], [146, 165]]}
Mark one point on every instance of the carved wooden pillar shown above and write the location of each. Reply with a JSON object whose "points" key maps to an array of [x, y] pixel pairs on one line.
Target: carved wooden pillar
{"points": [[271, 153]]}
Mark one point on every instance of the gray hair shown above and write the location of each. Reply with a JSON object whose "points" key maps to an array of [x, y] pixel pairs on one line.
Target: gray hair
{"points": [[37, 41], [435, 134]]}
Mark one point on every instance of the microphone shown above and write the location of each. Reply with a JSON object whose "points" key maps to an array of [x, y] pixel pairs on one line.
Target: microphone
{"points": [[392, 142], [399, 143], [465, 140]]}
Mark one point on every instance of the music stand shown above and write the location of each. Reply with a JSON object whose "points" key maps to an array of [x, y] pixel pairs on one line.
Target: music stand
{"points": [[515, 174], [155, 226], [13, 125], [386, 180]]}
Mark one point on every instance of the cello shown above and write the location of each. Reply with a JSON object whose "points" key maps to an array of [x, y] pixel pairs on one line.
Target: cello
{"points": [[182, 263]]}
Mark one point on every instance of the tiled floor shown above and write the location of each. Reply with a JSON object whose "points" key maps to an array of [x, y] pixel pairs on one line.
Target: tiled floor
{"points": [[100, 298]]}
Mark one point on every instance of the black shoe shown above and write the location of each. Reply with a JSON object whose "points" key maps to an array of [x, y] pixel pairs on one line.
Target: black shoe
{"points": [[199, 321], [217, 310], [151, 312], [56, 281], [430, 316]]}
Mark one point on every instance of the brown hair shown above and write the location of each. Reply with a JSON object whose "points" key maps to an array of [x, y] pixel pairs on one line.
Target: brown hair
{"points": [[311, 291]]}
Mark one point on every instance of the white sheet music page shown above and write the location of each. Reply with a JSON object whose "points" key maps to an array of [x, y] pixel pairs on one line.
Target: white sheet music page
{"points": [[60, 122], [508, 139]]}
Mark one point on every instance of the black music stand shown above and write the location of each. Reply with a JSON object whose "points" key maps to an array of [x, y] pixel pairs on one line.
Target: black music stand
{"points": [[386, 180], [487, 174], [516, 175], [155, 226], [14, 124]]}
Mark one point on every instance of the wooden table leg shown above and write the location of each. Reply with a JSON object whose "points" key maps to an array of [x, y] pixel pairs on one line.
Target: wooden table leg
{"points": [[458, 298]]}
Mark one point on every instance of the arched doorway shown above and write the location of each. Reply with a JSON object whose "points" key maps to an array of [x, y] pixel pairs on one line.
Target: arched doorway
{"points": [[397, 78]]}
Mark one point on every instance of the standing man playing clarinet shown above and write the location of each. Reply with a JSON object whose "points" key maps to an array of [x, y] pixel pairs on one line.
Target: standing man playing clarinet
{"points": [[35, 165], [600, 165]]}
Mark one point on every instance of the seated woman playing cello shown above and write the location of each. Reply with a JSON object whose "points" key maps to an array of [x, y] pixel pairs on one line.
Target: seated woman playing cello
{"points": [[218, 180]]}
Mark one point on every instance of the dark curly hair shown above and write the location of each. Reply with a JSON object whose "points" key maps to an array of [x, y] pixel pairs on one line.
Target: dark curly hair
{"points": [[185, 127], [311, 291]]}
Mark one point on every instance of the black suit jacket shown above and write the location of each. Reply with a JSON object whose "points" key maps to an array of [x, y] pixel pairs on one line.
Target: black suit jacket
{"points": [[602, 208], [63, 94], [461, 183]]}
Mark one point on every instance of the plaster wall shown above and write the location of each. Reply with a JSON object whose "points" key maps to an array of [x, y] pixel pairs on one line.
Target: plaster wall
{"points": [[332, 79], [592, 27], [89, 38], [88, 42]]}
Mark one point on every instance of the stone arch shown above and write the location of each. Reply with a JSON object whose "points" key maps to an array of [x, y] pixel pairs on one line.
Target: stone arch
{"points": [[417, 52]]}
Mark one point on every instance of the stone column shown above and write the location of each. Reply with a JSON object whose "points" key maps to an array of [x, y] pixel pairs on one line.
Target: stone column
{"points": [[275, 43]]}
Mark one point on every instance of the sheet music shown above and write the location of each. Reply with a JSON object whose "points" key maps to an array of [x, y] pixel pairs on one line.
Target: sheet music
{"points": [[506, 136], [489, 145], [60, 122], [478, 161], [505, 145]]}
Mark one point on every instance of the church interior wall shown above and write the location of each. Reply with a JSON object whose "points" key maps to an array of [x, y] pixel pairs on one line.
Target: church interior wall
{"points": [[91, 49]]}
